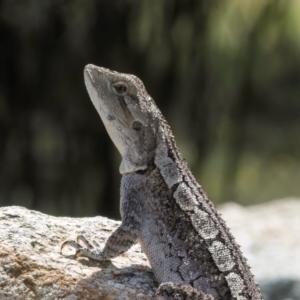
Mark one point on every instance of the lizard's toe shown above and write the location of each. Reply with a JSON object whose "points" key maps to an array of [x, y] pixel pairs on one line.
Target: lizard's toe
{"points": [[87, 253], [81, 239], [84, 249], [70, 243]]}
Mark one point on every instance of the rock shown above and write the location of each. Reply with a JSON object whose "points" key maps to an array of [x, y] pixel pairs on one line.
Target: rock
{"points": [[32, 267], [269, 234]]}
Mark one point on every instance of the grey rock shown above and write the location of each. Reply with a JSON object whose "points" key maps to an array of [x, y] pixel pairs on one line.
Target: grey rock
{"points": [[269, 235], [32, 267]]}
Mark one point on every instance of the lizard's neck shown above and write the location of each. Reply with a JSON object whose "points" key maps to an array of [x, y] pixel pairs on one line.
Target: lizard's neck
{"points": [[167, 157]]}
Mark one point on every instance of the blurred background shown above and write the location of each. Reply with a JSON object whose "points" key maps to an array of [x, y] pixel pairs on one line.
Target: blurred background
{"points": [[225, 73]]}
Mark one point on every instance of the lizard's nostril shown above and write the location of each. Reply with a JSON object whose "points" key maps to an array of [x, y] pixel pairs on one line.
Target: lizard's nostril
{"points": [[110, 118]]}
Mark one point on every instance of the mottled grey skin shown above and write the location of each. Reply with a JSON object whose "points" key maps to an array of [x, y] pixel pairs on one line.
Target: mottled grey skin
{"points": [[191, 251]]}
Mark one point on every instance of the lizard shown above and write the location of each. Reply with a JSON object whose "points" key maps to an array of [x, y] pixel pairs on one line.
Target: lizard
{"points": [[191, 251]]}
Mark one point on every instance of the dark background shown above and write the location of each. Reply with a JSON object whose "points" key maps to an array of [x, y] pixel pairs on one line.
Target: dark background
{"points": [[226, 74]]}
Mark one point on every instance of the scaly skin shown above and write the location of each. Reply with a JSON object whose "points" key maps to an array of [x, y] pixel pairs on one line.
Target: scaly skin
{"points": [[192, 252]]}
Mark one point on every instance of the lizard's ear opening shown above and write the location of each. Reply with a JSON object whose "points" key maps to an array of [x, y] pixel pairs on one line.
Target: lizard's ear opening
{"points": [[136, 125]]}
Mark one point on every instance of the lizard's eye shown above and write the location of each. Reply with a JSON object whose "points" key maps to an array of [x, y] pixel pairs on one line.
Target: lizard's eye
{"points": [[120, 88]]}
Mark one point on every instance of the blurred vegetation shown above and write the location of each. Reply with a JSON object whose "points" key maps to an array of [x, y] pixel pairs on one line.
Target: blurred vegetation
{"points": [[226, 74]]}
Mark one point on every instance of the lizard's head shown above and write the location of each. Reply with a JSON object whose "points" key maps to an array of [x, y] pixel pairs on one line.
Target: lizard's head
{"points": [[128, 113]]}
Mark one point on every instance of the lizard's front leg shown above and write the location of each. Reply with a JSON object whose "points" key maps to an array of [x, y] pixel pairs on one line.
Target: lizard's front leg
{"points": [[121, 239], [119, 242]]}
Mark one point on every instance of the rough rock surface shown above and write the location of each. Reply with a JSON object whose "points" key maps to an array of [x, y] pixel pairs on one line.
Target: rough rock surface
{"points": [[32, 267], [269, 234]]}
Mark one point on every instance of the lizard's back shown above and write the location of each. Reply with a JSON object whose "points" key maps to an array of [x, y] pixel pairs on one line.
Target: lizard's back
{"points": [[202, 253]]}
